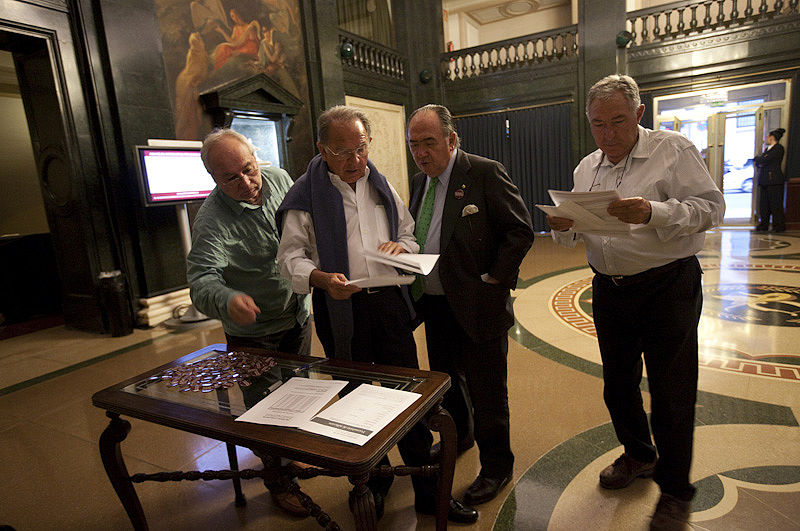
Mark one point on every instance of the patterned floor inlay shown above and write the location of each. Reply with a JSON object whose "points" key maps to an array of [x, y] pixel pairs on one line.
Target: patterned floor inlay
{"points": [[747, 441]]}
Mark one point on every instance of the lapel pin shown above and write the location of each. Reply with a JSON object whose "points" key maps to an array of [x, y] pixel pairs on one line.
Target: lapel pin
{"points": [[459, 194]]}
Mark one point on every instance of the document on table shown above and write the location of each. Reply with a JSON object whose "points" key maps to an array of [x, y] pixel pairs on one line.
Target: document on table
{"points": [[587, 209], [382, 280], [415, 263], [365, 411], [294, 402]]}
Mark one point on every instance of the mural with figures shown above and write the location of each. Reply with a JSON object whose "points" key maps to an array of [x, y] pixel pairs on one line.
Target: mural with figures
{"points": [[210, 42]]}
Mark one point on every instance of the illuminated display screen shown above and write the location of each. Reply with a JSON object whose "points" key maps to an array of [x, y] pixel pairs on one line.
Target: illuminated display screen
{"points": [[172, 175]]}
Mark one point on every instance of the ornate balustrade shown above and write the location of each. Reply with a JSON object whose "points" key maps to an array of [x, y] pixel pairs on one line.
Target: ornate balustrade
{"points": [[370, 56], [526, 51], [680, 19]]}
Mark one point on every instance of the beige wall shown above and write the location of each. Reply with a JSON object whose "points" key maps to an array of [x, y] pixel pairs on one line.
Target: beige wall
{"points": [[465, 32], [21, 201], [388, 148], [544, 20]]}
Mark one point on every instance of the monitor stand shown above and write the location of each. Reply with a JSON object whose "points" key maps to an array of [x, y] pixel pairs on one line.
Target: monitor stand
{"points": [[192, 315]]}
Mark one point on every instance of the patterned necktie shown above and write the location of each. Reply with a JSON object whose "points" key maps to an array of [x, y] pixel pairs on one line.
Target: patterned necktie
{"points": [[421, 232]]}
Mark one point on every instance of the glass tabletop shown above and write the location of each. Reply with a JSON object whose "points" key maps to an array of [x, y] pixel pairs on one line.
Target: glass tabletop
{"points": [[215, 379]]}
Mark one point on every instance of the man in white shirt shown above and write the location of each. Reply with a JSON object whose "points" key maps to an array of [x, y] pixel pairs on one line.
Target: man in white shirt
{"points": [[339, 208], [646, 293]]}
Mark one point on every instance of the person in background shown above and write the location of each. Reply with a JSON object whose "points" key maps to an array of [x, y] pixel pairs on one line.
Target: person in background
{"points": [[470, 213], [646, 292], [233, 271], [770, 180], [339, 208]]}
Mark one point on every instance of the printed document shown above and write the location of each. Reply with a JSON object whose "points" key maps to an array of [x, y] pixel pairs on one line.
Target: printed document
{"points": [[587, 209], [382, 280], [365, 411], [416, 263], [294, 402]]}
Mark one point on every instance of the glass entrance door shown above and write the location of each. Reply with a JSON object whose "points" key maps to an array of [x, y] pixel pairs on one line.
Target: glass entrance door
{"points": [[735, 165], [729, 126]]}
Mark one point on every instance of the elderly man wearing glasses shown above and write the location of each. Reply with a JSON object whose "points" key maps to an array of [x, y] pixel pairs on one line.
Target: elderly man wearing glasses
{"points": [[341, 207], [232, 268]]}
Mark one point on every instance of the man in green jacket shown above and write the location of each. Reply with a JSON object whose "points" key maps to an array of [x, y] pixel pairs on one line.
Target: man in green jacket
{"points": [[232, 268]]}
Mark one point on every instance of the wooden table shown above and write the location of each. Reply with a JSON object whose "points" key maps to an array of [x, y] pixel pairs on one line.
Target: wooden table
{"points": [[149, 397]]}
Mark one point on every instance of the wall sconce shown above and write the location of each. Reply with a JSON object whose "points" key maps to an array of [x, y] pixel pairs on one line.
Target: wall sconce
{"points": [[346, 50], [425, 76], [623, 38]]}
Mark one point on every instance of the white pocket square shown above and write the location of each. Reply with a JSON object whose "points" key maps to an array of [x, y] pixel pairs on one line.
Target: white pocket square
{"points": [[469, 209]]}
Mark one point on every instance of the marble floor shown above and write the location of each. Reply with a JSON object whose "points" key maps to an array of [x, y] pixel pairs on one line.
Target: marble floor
{"points": [[747, 440]]}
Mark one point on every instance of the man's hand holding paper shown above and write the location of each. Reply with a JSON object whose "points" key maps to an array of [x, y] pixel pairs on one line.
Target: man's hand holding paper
{"points": [[590, 212], [635, 210]]}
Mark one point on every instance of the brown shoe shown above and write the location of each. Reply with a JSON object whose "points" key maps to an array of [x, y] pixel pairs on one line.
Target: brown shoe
{"points": [[624, 470], [671, 514], [289, 503]]}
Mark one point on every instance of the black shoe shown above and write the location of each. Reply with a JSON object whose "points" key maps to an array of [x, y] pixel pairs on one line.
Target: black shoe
{"points": [[672, 514], [458, 512], [380, 504], [461, 447], [484, 489]]}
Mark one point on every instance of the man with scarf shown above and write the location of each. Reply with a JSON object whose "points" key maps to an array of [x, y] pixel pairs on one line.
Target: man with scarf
{"points": [[339, 208]]}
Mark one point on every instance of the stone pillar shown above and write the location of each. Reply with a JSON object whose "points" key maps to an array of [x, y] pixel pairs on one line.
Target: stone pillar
{"points": [[599, 21], [420, 36], [325, 79]]}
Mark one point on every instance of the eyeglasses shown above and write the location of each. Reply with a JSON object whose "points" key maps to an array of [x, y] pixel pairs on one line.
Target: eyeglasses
{"points": [[249, 171], [345, 154]]}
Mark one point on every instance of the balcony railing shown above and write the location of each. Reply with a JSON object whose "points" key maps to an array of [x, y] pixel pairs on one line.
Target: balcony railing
{"points": [[681, 19], [371, 56], [526, 51]]}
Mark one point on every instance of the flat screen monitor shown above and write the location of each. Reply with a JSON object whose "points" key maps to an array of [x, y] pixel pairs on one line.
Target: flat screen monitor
{"points": [[170, 175]]}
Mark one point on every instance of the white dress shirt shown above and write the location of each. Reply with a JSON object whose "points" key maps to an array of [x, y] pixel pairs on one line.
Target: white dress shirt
{"points": [[665, 168], [367, 228]]}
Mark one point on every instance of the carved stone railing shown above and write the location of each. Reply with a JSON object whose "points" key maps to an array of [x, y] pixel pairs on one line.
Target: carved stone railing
{"points": [[681, 19], [370, 56], [526, 51]]}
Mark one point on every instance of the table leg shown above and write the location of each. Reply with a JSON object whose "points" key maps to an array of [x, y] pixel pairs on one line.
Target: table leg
{"points": [[233, 460], [117, 473], [439, 420], [362, 504]]}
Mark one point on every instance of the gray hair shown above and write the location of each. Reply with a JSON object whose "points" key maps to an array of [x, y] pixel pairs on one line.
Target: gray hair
{"points": [[218, 134], [445, 118], [610, 85], [341, 113]]}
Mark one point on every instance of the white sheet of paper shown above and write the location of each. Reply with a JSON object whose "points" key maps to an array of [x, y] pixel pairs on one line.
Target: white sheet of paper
{"points": [[293, 403], [382, 280], [415, 263], [361, 414], [587, 209]]}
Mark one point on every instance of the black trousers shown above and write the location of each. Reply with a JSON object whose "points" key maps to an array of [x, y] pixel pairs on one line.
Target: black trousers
{"points": [[295, 340], [383, 335], [478, 396], [656, 317], [770, 204]]}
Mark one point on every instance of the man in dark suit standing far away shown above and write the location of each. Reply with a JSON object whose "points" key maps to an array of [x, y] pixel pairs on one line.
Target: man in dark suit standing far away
{"points": [[469, 212]]}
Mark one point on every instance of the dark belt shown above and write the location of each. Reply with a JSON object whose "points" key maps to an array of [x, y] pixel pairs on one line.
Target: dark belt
{"points": [[650, 274]]}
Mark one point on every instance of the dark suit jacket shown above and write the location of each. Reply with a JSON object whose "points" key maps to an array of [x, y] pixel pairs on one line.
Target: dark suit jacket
{"points": [[494, 240], [768, 166]]}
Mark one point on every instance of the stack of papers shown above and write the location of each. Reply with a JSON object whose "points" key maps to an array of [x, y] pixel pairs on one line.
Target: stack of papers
{"points": [[587, 209], [356, 418], [382, 280], [421, 264]]}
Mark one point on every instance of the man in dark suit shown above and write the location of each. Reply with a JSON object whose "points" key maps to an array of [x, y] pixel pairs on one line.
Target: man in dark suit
{"points": [[470, 213], [770, 180]]}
